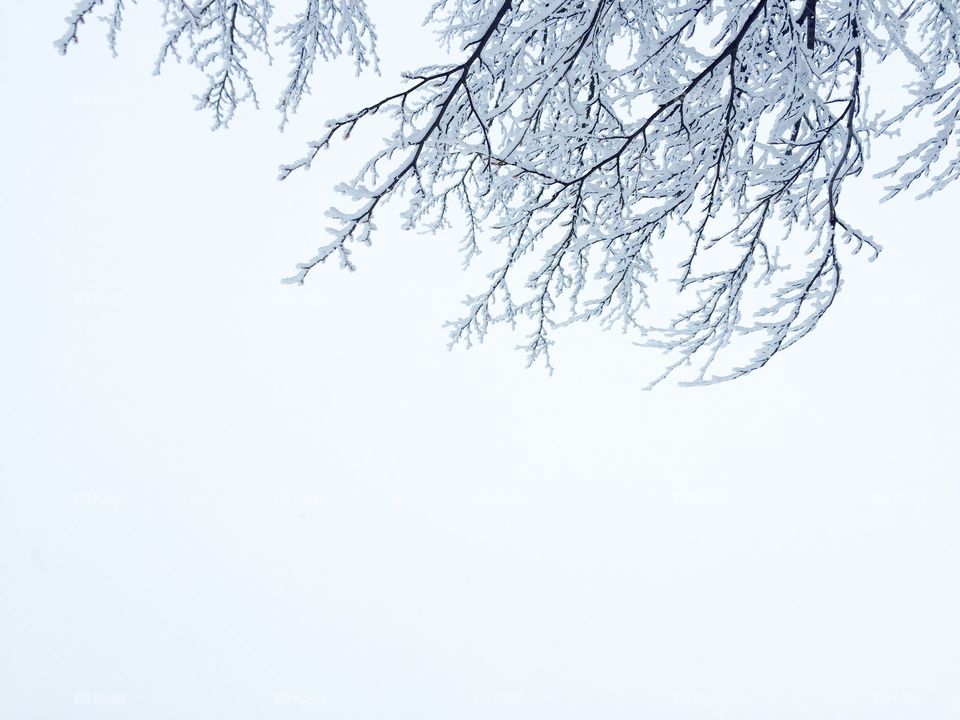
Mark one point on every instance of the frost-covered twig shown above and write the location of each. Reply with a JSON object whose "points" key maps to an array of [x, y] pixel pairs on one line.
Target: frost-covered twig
{"points": [[219, 36], [82, 12], [325, 29]]}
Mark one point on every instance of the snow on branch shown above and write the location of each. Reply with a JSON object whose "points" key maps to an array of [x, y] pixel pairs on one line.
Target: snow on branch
{"points": [[672, 168], [219, 36], [325, 29], [719, 136], [81, 13]]}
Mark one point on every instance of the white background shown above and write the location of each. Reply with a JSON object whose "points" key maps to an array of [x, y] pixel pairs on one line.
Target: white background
{"points": [[224, 497]]}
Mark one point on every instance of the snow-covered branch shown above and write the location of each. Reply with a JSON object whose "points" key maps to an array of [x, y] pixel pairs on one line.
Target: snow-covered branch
{"points": [[592, 141], [219, 36], [325, 29], [82, 12], [674, 168]]}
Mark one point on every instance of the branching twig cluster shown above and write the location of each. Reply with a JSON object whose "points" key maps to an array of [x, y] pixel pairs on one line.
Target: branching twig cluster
{"points": [[599, 149], [218, 36], [738, 146]]}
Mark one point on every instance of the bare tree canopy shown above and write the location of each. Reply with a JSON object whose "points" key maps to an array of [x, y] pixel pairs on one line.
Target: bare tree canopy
{"points": [[613, 156]]}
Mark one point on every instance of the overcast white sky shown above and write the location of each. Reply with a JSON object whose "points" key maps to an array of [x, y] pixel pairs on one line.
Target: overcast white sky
{"points": [[224, 497]]}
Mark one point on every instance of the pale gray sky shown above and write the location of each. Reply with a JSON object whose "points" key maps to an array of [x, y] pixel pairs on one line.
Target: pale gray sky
{"points": [[224, 497]]}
